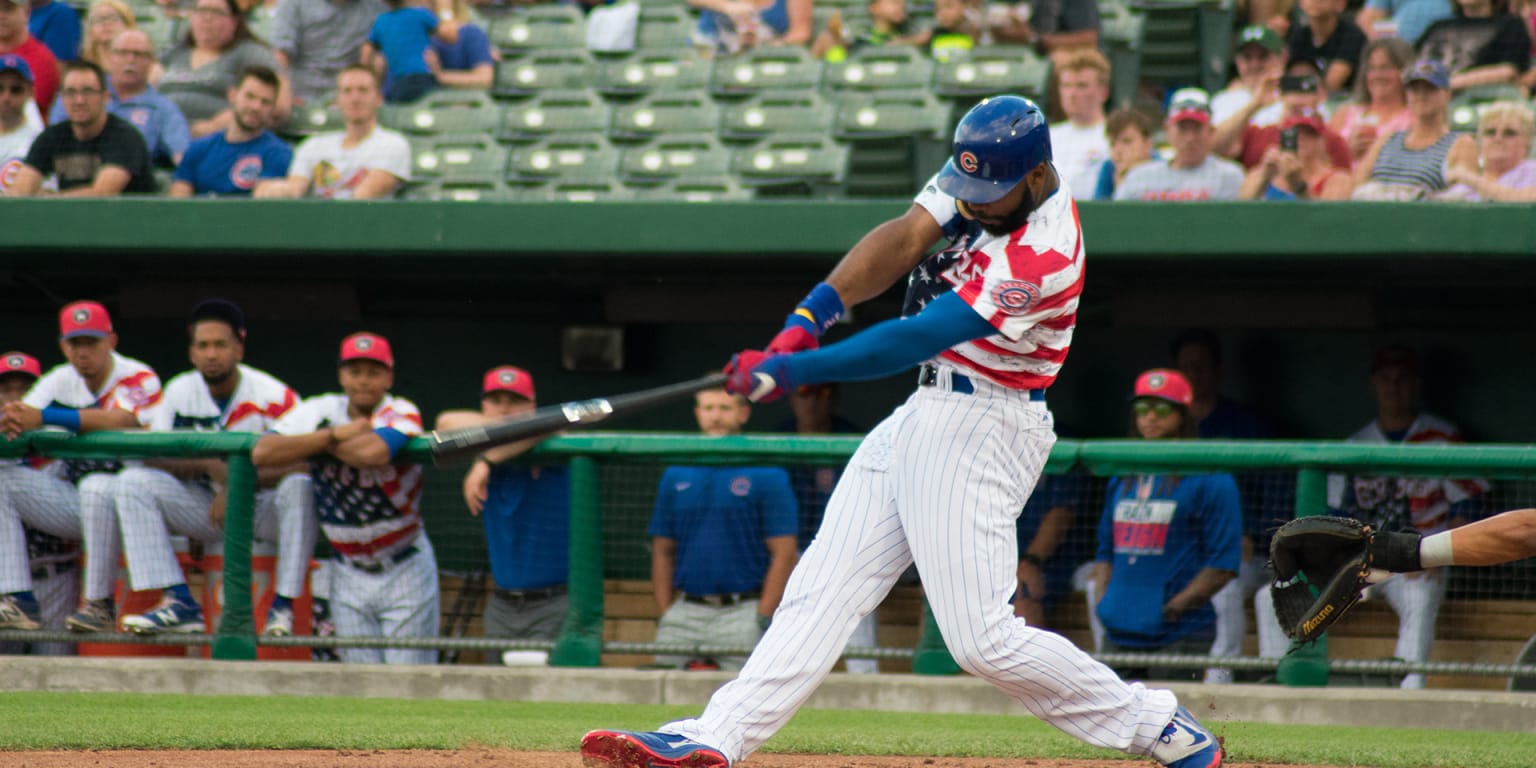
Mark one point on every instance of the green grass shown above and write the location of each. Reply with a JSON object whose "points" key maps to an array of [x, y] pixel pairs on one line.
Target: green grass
{"points": [[144, 721]]}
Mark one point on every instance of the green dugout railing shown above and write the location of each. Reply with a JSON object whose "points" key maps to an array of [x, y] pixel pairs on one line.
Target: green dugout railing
{"points": [[580, 642]]}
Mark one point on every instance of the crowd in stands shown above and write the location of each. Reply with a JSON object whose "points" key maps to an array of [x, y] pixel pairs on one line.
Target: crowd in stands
{"points": [[1325, 103]]}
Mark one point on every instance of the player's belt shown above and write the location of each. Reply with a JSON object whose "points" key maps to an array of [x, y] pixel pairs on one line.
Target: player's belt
{"points": [[523, 596], [928, 376], [380, 567], [724, 600], [50, 570]]}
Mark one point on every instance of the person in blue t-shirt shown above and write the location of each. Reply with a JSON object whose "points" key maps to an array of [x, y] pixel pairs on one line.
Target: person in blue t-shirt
{"points": [[469, 62], [398, 44], [527, 513], [233, 161], [722, 545], [1050, 550], [56, 25], [1167, 543]]}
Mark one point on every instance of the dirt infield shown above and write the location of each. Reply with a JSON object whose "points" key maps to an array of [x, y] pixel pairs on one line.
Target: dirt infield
{"points": [[494, 758]]}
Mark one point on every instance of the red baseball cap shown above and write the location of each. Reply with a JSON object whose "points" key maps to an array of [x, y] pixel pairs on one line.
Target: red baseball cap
{"points": [[367, 346], [1165, 384], [20, 362], [1189, 104], [84, 318], [508, 378], [1308, 119]]}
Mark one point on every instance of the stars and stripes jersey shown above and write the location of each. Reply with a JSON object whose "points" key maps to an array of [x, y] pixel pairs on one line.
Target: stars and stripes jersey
{"points": [[1425, 504], [260, 399], [1026, 284], [131, 386], [369, 515]]}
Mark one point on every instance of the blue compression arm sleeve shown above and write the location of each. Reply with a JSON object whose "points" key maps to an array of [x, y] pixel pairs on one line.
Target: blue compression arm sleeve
{"points": [[59, 416], [892, 346], [393, 438]]}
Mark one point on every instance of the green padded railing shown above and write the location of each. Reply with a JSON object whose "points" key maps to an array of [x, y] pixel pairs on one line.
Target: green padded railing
{"points": [[580, 643]]}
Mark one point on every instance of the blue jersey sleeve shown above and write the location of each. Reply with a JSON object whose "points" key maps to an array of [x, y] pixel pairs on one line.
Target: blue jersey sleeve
{"points": [[393, 438], [893, 345], [661, 515], [780, 511], [427, 19], [1221, 519], [175, 134]]}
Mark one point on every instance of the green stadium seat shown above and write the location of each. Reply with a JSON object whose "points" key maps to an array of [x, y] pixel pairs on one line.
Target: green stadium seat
{"points": [[449, 111], [458, 158], [544, 70], [459, 191], [1120, 39], [898, 67], [1467, 106], [163, 31], [994, 69], [1185, 43], [576, 192], [665, 28], [574, 156], [775, 112], [891, 114], [554, 112], [674, 156], [314, 117], [700, 190], [771, 68], [803, 158], [663, 112], [533, 27], [645, 71]]}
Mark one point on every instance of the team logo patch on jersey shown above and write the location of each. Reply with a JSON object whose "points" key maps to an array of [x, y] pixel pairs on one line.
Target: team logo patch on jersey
{"points": [[245, 172], [968, 162], [741, 486], [1014, 297]]}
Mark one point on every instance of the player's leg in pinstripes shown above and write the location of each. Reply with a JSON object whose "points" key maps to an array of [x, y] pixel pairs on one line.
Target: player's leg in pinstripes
{"points": [[410, 604], [847, 570], [56, 599], [974, 463], [293, 505], [40, 500], [352, 596], [98, 524], [1417, 603], [151, 504], [1230, 628]]}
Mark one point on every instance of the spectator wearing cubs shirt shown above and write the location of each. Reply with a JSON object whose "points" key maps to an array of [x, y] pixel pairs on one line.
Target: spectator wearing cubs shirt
{"points": [[16, 134], [130, 59], [1192, 173], [232, 162], [364, 161], [369, 504], [95, 154]]}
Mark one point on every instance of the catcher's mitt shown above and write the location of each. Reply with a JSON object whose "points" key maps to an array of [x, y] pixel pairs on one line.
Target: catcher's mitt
{"points": [[1322, 563]]}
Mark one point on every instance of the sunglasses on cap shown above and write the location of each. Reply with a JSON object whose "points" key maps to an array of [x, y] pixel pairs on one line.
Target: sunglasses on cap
{"points": [[1162, 408]]}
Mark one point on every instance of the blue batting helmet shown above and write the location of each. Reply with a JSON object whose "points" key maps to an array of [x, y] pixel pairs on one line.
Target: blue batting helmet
{"points": [[996, 144]]}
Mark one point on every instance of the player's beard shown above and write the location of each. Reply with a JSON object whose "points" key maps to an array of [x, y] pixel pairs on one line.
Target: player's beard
{"points": [[215, 379], [248, 126], [1013, 221]]}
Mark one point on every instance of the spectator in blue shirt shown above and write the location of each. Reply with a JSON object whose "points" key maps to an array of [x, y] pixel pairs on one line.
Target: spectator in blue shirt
{"points": [[527, 514], [468, 63], [57, 26], [1167, 543], [233, 161], [398, 45], [722, 545], [132, 98]]}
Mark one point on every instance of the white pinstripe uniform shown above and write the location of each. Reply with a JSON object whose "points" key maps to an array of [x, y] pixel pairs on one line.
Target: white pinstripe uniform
{"points": [[940, 483], [49, 499], [152, 503], [386, 583]]}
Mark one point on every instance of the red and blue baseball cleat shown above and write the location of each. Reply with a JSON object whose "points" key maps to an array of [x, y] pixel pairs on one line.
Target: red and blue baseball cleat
{"points": [[1186, 743], [647, 749]]}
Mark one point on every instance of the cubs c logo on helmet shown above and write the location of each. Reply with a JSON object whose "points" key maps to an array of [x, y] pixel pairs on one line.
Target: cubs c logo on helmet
{"points": [[1014, 297], [968, 162], [81, 315]]}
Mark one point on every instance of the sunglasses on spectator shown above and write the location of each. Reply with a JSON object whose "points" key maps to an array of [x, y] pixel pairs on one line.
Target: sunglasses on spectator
{"points": [[1161, 408], [14, 89], [1508, 133]]}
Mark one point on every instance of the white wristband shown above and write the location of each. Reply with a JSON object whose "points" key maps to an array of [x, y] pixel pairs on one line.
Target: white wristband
{"points": [[1435, 551]]}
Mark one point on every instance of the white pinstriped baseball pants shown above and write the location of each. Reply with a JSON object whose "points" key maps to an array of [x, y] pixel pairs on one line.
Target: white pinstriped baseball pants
{"points": [[939, 483], [400, 601], [46, 501], [152, 504]]}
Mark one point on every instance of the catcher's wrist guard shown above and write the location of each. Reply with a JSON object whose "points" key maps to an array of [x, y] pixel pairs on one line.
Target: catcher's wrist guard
{"points": [[1395, 552]]}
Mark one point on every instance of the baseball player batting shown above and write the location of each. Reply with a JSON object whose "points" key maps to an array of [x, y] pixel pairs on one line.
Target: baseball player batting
{"points": [[940, 482]]}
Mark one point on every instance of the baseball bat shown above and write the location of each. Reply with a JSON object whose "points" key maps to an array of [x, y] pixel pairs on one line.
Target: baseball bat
{"points": [[553, 418]]}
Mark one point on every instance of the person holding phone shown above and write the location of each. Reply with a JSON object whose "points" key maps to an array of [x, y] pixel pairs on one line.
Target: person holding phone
{"points": [[1299, 95], [1298, 166]]}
